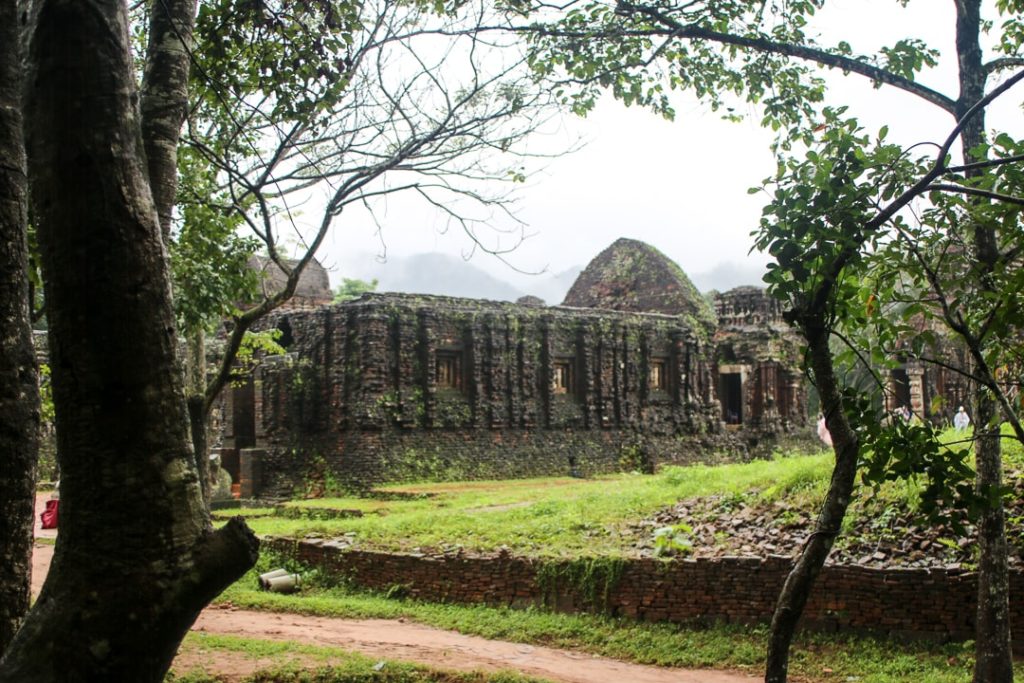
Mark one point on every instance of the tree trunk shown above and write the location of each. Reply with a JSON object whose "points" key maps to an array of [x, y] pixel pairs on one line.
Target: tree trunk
{"points": [[797, 588], [136, 558], [992, 651], [165, 99], [198, 415], [993, 655], [19, 388], [197, 418]]}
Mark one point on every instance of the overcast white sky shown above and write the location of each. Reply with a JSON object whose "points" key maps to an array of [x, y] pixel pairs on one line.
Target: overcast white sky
{"points": [[681, 186]]}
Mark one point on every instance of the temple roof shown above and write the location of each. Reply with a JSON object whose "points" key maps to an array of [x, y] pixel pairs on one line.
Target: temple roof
{"points": [[313, 287], [634, 276]]}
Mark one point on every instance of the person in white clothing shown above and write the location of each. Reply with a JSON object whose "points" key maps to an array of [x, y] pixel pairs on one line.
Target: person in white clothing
{"points": [[961, 420], [823, 433]]}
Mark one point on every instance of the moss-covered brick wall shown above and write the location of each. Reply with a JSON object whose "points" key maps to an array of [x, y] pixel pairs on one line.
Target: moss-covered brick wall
{"points": [[937, 604], [358, 459], [754, 341], [392, 387]]}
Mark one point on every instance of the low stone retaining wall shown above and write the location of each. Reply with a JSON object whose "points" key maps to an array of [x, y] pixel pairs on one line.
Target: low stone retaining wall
{"points": [[934, 604]]}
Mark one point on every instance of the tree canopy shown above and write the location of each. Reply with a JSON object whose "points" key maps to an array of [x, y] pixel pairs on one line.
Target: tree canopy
{"points": [[856, 224], [345, 100]]}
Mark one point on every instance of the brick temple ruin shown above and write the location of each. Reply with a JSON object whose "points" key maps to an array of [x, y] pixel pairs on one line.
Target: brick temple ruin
{"points": [[634, 368]]}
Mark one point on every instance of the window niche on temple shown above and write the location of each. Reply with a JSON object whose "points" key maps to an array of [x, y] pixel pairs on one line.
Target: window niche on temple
{"points": [[658, 376], [448, 370], [284, 328], [563, 377]]}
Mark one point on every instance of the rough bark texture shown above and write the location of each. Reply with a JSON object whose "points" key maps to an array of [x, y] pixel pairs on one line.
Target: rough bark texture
{"points": [[993, 655], [136, 558], [812, 558], [19, 395], [165, 99], [198, 415]]}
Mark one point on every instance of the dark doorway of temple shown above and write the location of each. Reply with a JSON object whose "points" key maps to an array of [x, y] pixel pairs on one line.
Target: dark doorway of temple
{"points": [[900, 389], [730, 393], [243, 424]]}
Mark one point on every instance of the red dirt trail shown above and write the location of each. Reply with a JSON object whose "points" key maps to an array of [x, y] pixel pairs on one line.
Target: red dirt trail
{"points": [[407, 641]]}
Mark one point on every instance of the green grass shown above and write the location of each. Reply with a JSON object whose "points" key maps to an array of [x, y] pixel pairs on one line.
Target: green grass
{"points": [[570, 518], [717, 646], [299, 662], [364, 505], [228, 513], [558, 517]]}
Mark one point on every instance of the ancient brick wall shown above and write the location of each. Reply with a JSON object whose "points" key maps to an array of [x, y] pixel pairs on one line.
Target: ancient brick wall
{"points": [[758, 364], [747, 307], [930, 391], [398, 386], [357, 459], [906, 603], [633, 276]]}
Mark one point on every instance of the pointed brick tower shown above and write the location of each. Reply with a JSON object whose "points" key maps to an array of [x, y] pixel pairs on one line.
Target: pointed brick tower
{"points": [[634, 276]]}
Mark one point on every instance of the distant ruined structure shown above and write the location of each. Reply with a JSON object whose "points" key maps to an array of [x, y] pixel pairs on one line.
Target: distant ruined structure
{"points": [[756, 360], [760, 385], [633, 276], [928, 390], [634, 369], [312, 291]]}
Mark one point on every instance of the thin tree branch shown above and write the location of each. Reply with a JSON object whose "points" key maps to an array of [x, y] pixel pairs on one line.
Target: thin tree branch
{"points": [[1002, 63], [921, 186], [860, 357], [765, 45], [988, 163], [976, 192]]}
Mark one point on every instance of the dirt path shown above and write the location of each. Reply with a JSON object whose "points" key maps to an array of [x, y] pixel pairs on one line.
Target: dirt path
{"points": [[402, 640], [396, 639]]}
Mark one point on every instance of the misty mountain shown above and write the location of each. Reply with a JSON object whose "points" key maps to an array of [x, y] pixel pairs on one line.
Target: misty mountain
{"points": [[435, 273], [550, 288], [727, 275], [443, 275]]}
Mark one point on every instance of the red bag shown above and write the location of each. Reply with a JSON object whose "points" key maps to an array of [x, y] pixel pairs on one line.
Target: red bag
{"points": [[49, 515]]}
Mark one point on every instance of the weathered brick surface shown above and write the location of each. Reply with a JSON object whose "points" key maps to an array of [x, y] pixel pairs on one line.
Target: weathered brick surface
{"points": [[360, 394], [904, 603], [634, 276], [754, 341], [632, 371]]}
